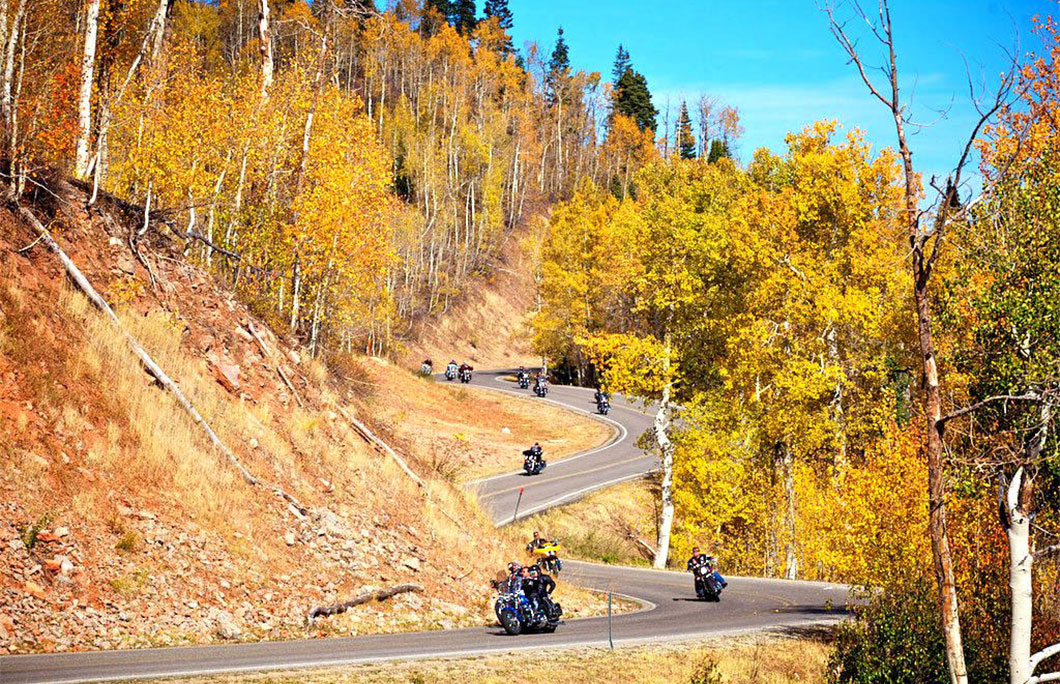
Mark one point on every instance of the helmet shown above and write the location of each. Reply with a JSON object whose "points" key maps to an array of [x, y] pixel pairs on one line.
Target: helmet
{"points": [[533, 569], [513, 567]]}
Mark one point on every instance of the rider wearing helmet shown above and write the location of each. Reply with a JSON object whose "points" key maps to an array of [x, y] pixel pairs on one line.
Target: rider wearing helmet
{"points": [[700, 559]]}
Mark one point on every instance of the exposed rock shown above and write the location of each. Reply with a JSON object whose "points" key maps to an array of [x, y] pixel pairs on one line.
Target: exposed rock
{"points": [[292, 355], [506, 431], [225, 625], [227, 374], [242, 332], [61, 531], [35, 590], [412, 563], [289, 538], [127, 265]]}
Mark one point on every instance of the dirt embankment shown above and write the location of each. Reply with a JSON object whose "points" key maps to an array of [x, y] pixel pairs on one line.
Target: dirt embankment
{"points": [[122, 526]]}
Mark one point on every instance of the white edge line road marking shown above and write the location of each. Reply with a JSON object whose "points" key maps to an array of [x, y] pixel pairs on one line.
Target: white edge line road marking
{"points": [[623, 433], [340, 660], [570, 496]]}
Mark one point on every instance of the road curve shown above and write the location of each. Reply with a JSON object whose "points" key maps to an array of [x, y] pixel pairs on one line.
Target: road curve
{"points": [[564, 481], [669, 611]]}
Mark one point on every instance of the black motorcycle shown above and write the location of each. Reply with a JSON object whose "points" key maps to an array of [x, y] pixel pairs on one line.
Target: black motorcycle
{"points": [[465, 376], [450, 373], [533, 463], [524, 381], [603, 406], [541, 389], [707, 586], [517, 614]]}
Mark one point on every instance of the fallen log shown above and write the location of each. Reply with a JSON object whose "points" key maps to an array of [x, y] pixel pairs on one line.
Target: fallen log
{"points": [[268, 359], [149, 363], [377, 595], [382, 446]]}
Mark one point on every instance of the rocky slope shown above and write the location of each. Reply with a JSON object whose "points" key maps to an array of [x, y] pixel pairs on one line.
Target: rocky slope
{"points": [[122, 525]]}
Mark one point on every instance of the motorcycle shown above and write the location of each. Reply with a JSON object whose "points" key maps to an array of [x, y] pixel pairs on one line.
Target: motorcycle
{"points": [[533, 463], [426, 369], [603, 407], [541, 390], [707, 586], [524, 381], [548, 558], [450, 373], [517, 615], [465, 376]]}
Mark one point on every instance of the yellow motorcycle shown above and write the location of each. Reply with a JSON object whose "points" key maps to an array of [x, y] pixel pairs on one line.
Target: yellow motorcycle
{"points": [[547, 557]]}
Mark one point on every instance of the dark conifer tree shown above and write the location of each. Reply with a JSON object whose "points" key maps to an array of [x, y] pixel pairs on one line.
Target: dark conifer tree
{"points": [[686, 140], [462, 16], [718, 149], [558, 69], [499, 9], [434, 12], [633, 99], [622, 64]]}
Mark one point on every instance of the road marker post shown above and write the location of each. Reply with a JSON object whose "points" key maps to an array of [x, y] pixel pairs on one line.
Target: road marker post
{"points": [[517, 501], [610, 637]]}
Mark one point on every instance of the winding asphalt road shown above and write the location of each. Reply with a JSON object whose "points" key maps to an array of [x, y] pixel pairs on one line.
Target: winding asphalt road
{"points": [[571, 478], [668, 610]]}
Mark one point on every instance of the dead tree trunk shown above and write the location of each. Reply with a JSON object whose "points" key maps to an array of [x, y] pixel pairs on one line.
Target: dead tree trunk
{"points": [[922, 263]]}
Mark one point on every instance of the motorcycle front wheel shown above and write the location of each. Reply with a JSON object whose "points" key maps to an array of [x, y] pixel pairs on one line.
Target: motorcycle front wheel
{"points": [[510, 622]]}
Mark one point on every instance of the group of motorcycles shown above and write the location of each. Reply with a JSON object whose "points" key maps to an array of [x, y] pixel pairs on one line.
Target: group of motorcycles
{"points": [[519, 610], [452, 371], [523, 377]]}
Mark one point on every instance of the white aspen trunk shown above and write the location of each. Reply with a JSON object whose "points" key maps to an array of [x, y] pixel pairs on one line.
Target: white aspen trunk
{"points": [[265, 37], [1021, 563], [10, 47], [791, 571], [662, 438], [3, 23], [157, 31], [84, 102]]}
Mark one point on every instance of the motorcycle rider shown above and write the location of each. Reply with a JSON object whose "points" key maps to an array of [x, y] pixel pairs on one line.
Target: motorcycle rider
{"points": [[538, 589], [537, 542], [536, 453], [428, 367], [698, 560], [450, 370]]}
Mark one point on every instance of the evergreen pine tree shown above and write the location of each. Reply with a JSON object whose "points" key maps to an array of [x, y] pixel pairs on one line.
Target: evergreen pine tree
{"points": [[462, 16], [434, 12], [686, 140], [499, 9], [622, 64], [718, 149], [558, 68], [633, 99]]}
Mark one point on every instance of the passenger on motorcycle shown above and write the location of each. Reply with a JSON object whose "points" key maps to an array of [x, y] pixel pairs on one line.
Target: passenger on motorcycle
{"points": [[538, 587], [699, 560]]}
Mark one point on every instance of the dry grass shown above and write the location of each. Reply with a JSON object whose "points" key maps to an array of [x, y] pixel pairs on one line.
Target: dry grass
{"points": [[597, 528], [461, 433], [740, 660]]}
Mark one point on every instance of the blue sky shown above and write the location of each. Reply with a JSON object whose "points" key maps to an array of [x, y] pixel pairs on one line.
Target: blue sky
{"points": [[777, 62]]}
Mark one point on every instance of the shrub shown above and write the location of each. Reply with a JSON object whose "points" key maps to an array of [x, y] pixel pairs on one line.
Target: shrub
{"points": [[896, 638]]}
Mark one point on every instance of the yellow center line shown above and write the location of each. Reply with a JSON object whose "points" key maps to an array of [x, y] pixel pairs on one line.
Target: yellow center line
{"points": [[561, 477]]}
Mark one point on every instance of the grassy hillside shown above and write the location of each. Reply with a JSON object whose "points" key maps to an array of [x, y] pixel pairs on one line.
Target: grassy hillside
{"points": [[124, 527]]}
